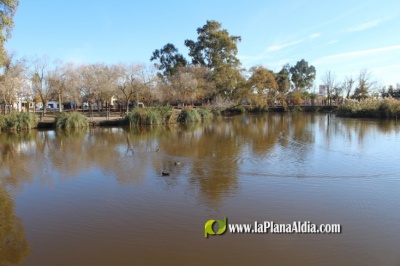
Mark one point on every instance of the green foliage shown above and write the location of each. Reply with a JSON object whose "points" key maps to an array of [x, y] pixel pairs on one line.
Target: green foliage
{"points": [[214, 46], [151, 116], [71, 120], [188, 116], [166, 113], [216, 112], [7, 11], [204, 114], [295, 108], [217, 50], [303, 75], [18, 121], [282, 79], [170, 60], [388, 108], [144, 116]]}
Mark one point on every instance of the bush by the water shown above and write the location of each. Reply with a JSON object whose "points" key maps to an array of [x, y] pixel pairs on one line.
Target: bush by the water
{"points": [[18, 121], [166, 115], [387, 107], [150, 116], [295, 108], [188, 116], [71, 120], [204, 114]]}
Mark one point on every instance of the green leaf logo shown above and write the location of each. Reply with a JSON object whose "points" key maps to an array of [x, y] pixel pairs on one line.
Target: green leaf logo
{"points": [[208, 227]]}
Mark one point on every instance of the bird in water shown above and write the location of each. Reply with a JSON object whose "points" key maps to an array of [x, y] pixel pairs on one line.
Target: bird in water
{"points": [[177, 163]]}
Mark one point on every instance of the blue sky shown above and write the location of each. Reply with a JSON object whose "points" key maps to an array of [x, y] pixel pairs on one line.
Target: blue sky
{"points": [[342, 36]]}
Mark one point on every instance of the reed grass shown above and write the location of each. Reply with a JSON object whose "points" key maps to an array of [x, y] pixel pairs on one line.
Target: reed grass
{"points": [[205, 114], [189, 115], [384, 108], [71, 120], [18, 121], [146, 116]]}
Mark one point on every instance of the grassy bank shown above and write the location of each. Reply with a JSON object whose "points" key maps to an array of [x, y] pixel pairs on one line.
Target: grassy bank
{"points": [[379, 108], [18, 121]]}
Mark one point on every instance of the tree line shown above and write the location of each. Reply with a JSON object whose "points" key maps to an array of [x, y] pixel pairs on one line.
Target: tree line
{"points": [[210, 74]]}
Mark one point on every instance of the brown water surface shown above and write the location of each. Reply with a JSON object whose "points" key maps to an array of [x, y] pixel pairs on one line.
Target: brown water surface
{"points": [[97, 196]]}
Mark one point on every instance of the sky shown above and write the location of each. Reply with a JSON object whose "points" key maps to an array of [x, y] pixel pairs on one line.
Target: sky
{"points": [[343, 37]]}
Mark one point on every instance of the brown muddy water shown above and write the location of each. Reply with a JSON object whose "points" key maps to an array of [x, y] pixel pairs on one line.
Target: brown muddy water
{"points": [[97, 196]]}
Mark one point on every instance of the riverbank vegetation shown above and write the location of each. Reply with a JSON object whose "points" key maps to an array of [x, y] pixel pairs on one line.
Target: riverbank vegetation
{"points": [[166, 115], [70, 120], [18, 121], [382, 108]]}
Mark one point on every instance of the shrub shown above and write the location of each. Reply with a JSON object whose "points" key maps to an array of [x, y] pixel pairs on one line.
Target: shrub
{"points": [[216, 112], [388, 107], [18, 121], [188, 116], [204, 114], [240, 109], [142, 116], [295, 108], [166, 114], [71, 120]]}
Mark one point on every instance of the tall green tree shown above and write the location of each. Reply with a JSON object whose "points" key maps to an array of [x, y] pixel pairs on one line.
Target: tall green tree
{"points": [[214, 46], [217, 49], [302, 75], [282, 79], [7, 11], [169, 59]]}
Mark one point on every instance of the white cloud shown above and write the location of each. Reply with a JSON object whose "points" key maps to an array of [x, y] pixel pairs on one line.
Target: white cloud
{"points": [[278, 47], [336, 57], [367, 25], [314, 35]]}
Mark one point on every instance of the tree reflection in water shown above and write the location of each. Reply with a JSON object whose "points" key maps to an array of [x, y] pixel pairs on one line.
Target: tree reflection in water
{"points": [[14, 247], [211, 156]]}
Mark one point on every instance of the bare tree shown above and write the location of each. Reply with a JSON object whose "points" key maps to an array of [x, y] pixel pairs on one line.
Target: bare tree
{"points": [[39, 77], [128, 82], [147, 82], [348, 86], [365, 85], [13, 85], [184, 85], [329, 82], [62, 82]]}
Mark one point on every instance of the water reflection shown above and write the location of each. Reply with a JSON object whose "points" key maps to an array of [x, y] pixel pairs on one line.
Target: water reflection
{"points": [[212, 162], [211, 154], [14, 247], [14, 149]]}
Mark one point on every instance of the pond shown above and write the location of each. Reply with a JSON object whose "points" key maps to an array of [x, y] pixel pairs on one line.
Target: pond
{"points": [[98, 196]]}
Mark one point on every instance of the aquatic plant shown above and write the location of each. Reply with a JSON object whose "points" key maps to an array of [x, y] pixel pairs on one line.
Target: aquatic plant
{"points": [[388, 108], [189, 115], [18, 121], [144, 116], [71, 120], [204, 114]]}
